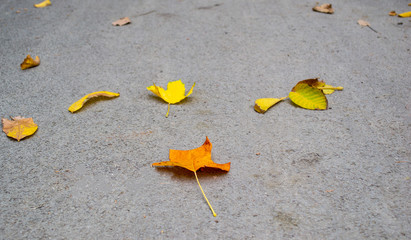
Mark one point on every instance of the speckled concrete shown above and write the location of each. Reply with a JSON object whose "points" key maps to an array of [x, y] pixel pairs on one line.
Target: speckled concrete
{"points": [[343, 173]]}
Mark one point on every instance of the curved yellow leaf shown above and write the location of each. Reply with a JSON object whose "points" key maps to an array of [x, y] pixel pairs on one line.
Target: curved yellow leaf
{"points": [[43, 4], [29, 62], [405, 14], [307, 96], [19, 127], [263, 104], [79, 104]]}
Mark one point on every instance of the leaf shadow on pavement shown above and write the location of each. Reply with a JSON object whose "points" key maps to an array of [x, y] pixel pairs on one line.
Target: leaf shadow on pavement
{"points": [[187, 175]]}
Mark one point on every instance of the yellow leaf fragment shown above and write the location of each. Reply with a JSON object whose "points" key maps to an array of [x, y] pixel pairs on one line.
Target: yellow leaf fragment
{"points": [[43, 4], [30, 62], [121, 21], [307, 95], [175, 92], [324, 8], [405, 14], [263, 104], [19, 127], [79, 104], [328, 89]]}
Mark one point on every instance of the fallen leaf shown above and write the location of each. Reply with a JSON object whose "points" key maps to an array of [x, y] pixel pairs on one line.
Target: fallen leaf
{"points": [[175, 92], [307, 95], [328, 89], [28, 62], [365, 24], [405, 14], [43, 4], [19, 127], [79, 104], [392, 13], [193, 160], [263, 104], [122, 21], [324, 8]]}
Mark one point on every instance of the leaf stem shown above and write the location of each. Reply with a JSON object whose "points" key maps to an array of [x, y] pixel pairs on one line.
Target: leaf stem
{"points": [[168, 110], [330, 88], [214, 214], [372, 28]]}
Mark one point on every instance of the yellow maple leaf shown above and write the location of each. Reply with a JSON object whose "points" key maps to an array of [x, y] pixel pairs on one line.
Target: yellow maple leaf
{"points": [[43, 4], [193, 160], [175, 92], [19, 127]]}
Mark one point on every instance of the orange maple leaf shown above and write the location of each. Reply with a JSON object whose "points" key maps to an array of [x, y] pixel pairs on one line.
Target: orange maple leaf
{"points": [[193, 160]]}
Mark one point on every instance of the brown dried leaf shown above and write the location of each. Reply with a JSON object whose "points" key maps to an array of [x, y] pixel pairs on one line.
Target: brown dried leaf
{"points": [[392, 13], [122, 21], [324, 8], [363, 23], [30, 62]]}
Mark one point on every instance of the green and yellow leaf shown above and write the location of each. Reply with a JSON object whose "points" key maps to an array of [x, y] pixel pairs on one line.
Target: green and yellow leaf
{"points": [[307, 95]]}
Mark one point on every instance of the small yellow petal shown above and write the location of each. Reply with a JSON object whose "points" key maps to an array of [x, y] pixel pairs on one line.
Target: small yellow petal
{"points": [[191, 90], [154, 89], [263, 104], [79, 104], [405, 14], [43, 4]]}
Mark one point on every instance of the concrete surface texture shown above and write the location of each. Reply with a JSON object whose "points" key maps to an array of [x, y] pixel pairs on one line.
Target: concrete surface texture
{"points": [[343, 173]]}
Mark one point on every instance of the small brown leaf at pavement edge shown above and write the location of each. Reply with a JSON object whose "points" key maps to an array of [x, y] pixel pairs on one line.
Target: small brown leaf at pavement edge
{"points": [[324, 8], [30, 62], [392, 13], [122, 21]]}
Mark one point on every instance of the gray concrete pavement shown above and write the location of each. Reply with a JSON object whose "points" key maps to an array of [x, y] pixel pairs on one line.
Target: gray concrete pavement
{"points": [[343, 173]]}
